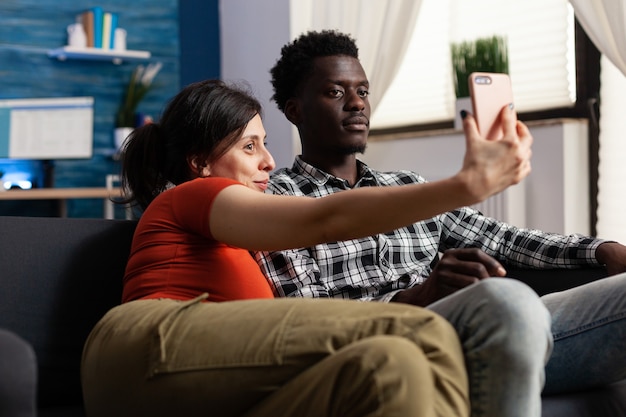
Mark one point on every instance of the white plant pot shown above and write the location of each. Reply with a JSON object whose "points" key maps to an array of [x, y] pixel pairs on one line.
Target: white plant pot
{"points": [[119, 137], [462, 103]]}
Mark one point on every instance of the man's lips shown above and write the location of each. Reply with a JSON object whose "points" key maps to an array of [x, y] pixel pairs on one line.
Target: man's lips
{"points": [[356, 123]]}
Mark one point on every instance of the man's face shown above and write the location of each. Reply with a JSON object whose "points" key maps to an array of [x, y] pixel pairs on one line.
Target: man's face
{"points": [[332, 110]]}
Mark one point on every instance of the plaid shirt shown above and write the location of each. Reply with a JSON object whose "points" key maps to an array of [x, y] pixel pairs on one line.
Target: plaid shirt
{"points": [[376, 267]]}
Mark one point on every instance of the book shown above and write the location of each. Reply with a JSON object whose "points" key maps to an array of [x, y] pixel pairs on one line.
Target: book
{"points": [[86, 18], [97, 26], [113, 27], [106, 30]]}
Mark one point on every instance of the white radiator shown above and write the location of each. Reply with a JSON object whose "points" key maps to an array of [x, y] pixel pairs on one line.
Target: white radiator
{"points": [[508, 206], [553, 198]]}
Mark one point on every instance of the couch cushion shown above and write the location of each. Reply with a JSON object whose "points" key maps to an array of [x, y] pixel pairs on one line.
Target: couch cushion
{"points": [[601, 402], [58, 277]]}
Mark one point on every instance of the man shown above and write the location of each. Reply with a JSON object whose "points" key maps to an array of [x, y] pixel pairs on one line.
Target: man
{"points": [[322, 89]]}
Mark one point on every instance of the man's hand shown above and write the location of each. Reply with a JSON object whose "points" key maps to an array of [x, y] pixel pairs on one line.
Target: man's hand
{"points": [[613, 256], [456, 269]]}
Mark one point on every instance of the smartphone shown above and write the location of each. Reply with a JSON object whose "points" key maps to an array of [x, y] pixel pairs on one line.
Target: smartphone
{"points": [[489, 93]]}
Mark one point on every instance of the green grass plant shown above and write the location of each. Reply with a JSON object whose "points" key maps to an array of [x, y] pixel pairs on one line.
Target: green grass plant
{"points": [[481, 55]]}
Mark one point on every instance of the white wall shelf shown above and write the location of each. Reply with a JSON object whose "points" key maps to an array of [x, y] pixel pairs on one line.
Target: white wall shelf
{"points": [[97, 54]]}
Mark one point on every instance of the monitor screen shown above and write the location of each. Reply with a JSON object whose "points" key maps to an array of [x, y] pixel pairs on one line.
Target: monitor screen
{"points": [[46, 128]]}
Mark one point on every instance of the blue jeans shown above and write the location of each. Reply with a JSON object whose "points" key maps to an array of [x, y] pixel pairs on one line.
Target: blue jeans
{"points": [[589, 327], [506, 338]]}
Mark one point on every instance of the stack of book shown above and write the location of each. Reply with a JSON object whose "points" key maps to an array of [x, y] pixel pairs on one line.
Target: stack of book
{"points": [[99, 27]]}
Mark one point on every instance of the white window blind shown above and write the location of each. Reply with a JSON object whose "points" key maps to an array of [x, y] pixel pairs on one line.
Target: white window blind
{"points": [[540, 35]]}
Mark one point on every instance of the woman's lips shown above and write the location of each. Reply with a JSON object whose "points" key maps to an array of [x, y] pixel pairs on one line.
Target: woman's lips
{"points": [[261, 184]]}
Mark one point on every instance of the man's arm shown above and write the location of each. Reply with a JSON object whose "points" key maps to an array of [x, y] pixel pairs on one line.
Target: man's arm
{"points": [[530, 248], [613, 256], [456, 269]]}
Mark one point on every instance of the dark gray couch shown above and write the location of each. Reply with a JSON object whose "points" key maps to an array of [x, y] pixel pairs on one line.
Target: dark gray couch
{"points": [[59, 276]]}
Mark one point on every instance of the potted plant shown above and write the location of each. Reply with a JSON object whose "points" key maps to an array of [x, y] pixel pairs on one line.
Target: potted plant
{"points": [[488, 54], [138, 86]]}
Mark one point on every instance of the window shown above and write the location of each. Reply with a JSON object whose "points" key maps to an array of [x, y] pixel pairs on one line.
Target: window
{"points": [[540, 36]]}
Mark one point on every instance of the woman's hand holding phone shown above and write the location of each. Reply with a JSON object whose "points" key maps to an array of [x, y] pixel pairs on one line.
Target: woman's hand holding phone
{"points": [[491, 165]]}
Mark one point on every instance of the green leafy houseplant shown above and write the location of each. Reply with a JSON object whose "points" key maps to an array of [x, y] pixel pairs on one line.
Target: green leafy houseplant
{"points": [[481, 55], [139, 85]]}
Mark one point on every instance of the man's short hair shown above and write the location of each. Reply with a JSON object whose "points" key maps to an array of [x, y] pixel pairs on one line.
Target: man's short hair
{"points": [[296, 60]]}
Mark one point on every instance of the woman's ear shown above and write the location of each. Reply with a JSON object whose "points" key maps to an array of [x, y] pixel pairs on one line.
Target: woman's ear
{"points": [[200, 168], [292, 111]]}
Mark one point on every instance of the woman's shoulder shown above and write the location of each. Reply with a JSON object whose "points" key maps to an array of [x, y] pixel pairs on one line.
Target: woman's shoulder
{"points": [[204, 186], [197, 191], [208, 182]]}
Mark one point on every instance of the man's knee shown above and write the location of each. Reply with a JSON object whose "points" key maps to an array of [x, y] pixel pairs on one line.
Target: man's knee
{"points": [[514, 301], [519, 321]]}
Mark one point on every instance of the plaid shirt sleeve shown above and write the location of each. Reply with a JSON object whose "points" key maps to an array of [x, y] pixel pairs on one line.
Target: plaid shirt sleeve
{"points": [[466, 227], [377, 267]]}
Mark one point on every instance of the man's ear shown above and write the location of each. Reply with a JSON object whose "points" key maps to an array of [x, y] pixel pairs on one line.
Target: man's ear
{"points": [[293, 111]]}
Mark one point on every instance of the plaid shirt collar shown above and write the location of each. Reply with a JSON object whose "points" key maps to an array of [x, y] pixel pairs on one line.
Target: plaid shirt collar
{"points": [[367, 176]]}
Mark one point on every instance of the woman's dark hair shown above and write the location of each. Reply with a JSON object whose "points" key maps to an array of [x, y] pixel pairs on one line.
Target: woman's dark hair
{"points": [[201, 122], [296, 60]]}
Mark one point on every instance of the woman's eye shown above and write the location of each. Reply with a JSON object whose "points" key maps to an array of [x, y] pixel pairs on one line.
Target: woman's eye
{"points": [[249, 146]]}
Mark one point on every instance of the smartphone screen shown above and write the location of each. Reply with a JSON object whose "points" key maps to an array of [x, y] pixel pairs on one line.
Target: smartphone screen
{"points": [[489, 92]]}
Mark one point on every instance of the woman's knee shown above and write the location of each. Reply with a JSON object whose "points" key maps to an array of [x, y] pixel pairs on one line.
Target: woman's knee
{"points": [[411, 381], [394, 376]]}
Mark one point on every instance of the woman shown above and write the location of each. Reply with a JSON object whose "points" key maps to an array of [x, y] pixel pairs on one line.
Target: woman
{"points": [[199, 332]]}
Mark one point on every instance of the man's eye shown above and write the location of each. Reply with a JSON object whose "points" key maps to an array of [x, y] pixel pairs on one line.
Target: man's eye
{"points": [[364, 93], [336, 93]]}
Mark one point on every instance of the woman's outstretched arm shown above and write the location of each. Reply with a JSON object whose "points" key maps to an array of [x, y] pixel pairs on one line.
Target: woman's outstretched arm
{"points": [[256, 221]]}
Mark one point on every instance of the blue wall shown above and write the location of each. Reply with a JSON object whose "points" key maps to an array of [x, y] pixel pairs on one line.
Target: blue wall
{"points": [[29, 28], [199, 40]]}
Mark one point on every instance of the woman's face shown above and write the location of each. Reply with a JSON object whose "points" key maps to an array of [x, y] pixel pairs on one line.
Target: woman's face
{"points": [[248, 160]]}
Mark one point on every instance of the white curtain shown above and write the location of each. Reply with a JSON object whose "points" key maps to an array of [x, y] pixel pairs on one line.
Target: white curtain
{"points": [[382, 30], [604, 21]]}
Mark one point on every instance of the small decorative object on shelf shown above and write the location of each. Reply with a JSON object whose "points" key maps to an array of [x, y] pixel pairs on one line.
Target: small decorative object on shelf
{"points": [[138, 86]]}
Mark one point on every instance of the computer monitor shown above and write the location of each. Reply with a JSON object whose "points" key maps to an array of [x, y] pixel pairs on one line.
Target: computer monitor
{"points": [[46, 128]]}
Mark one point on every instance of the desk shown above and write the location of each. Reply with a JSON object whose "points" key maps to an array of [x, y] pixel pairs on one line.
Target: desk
{"points": [[62, 195]]}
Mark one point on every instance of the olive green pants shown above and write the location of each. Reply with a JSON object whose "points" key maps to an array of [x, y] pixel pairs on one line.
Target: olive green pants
{"points": [[278, 358]]}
